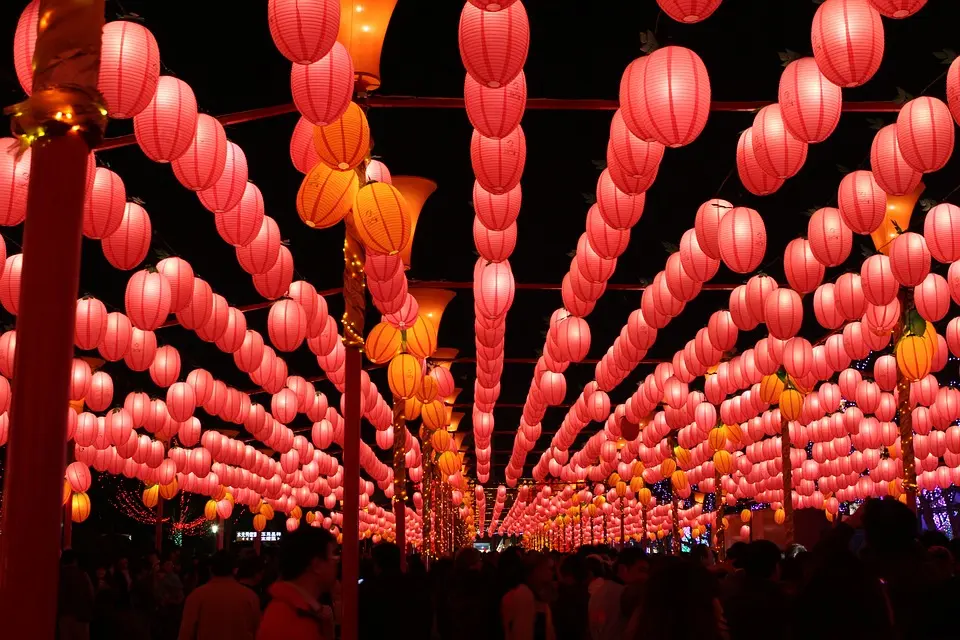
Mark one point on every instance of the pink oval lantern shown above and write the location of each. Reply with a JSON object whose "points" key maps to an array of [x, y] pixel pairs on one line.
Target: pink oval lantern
{"points": [[847, 39], [776, 150], [909, 259], [495, 112], [129, 68], [890, 170], [334, 72], [743, 239], [862, 202], [925, 133], [754, 178], [810, 104], [830, 238], [494, 44], [304, 32], [126, 247], [166, 127]]}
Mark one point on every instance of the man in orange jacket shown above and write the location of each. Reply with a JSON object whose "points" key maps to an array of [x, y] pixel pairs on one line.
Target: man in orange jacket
{"points": [[308, 568]]}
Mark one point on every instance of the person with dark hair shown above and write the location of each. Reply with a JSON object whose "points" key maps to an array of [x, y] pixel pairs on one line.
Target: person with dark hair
{"points": [[385, 585], [684, 605], [250, 574], [468, 609], [524, 609], [75, 598], [633, 569], [221, 608], [757, 600], [308, 570], [570, 608]]}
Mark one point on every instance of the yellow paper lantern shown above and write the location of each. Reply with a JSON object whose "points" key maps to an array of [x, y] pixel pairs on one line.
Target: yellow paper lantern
{"points": [[259, 522], [80, 507], [267, 511], [151, 495], [644, 495], [434, 415], [383, 343], [449, 463], [429, 388], [779, 516], [914, 357], [667, 467], [326, 196], [746, 515], [717, 438], [440, 440], [791, 402], [682, 456], [723, 462], [679, 480], [636, 484], [210, 510], [380, 218], [344, 143], [421, 338], [404, 375], [66, 493], [771, 387], [411, 408], [168, 491]]}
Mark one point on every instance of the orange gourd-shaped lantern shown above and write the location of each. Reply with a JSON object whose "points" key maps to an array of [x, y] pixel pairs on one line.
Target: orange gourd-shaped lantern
{"points": [[723, 462], [791, 402], [434, 415], [421, 338], [383, 343], [440, 440], [150, 496], [914, 356], [80, 507], [746, 515], [380, 218], [771, 387], [667, 467], [449, 463], [326, 196], [344, 144], [210, 510], [779, 516], [404, 375], [259, 522], [428, 389]]}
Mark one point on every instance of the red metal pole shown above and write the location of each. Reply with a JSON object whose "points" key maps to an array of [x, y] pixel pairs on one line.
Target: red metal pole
{"points": [[30, 544]]}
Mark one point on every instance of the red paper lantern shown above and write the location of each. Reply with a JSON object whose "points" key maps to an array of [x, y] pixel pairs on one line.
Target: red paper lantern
{"points": [[103, 204], [783, 313], [493, 288], [862, 202], [126, 247], [634, 157], [754, 178], [116, 337], [494, 44], [303, 32], [8, 350], [129, 68], [925, 133], [101, 391], [573, 339], [202, 383], [147, 299], [203, 162], [740, 311], [302, 152], [606, 241], [847, 39], [91, 323], [830, 238], [496, 211], [953, 89], [287, 325], [10, 284], [620, 210], [275, 282], [197, 311], [689, 10], [143, 348], [234, 332], [314, 305], [672, 100], [165, 368], [809, 103], [743, 239], [179, 275], [849, 294], [932, 297], [498, 163], [216, 323], [495, 112], [260, 254], [241, 224], [898, 8], [24, 43], [890, 170], [227, 191], [759, 289], [14, 177], [165, 129], [803, 271], [494, 246], [776, 150], [941, 230], [181, 401], [250, 354], [909, 259], [697, 264], [80, 375], [880, 287], [283, 405], [707, 225], [322, 90]]}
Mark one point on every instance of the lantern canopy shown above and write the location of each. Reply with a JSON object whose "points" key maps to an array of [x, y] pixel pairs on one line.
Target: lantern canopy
{"points": [[432, 303], [363, 26], [899, 211], [415, 192]]}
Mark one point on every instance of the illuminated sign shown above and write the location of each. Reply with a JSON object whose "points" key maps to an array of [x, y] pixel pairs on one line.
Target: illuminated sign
{"points": [[265, 536]]}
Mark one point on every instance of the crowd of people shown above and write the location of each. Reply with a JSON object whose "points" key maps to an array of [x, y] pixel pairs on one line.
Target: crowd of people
{"points": [[871, 576]]}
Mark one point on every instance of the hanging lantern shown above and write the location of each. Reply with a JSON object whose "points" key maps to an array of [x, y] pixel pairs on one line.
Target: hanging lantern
{"points": [[953, 90], [344, 143], [898, 8], [635, 158], [941, 230], [234, 333], [776, 150], [91, 323], [494, 246], [671, 101], [909, 259], [404, 375], [493, 288], [421, 338], [363, 27], [129, 68], [434, 415], [165, 368], [754, 178], [743, 239], [498, 163], [116, 337], [619, 210], [890, 170], [227, 191], [896, 219], [783, 313], [80, 507], [302, 152], [862, 202], [925, 133], [179, 275], [147, 299], [287, 325], [103, 204], [303, 32], [830, 238], [495, 112], [494, 44], [334, 73], [326, 196], [24, 43], [804, 272], [80, 375], [847, 39], [197, 311], [166, 127], [382, 344], [181, 401], [249, 356], [241, 224], [809, 103], [380, 219], [126, 247], [203, 162], [14, 178], [689, 11], [262, 252], [143, 348]]}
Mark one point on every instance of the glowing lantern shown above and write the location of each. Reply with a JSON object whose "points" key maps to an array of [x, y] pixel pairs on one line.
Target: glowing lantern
{"points": [[249, 356], [181, 401], [495, 112], [636, 159], [890, 169], [914, 357], [287, 325], [334, 73], [707, 225], [80, 507], [227, 191], [743, 239], [493, 288], [776, 150], [239, 226], [165, 368], [909, 259], [689, 10], [283, 405], [303, 32], [234, 331], [863, 203], [126, 247], [783, 313], [754, 178], [101, 393], [809, 103], [326, 196], [116, 337], [898, 8], [179, 275], [932, 297], [421, 338], [166, 127], [434, 414], [498, 163], [103, 205], [344, 143], [619, 210], [383, 342], [91, 323], [925, 133], [573, 339], [880, 287], [380, 219], [302, 152], [830, 238], [496, 211], [14, 177], [941, 230], [494, 44], [404, 375], [804, 272], [147, 299], [953, 89], [143, 348], [261, 254], [24, 43], [129, 68], [449, 463], [197, 311], [203, 162], [847, 39], [791, 402], [363, 26]]}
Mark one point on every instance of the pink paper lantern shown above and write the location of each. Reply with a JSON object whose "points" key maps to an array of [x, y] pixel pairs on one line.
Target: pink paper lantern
{"points": [[24, 43], [494, 44], [803, 271], [743, 239], [495, 112], [689, 11], [909, 259], [303, 32], [809, 103], [165, 368], [890, 170], [179, 275], [302, 152], [847, 39], [925, 133], [634, 157], [147, 299], [166, 127], [494, 246], [783, 313], [129, 68], [334, 74], [103, 205], [776, 150], [197, 310], [754, 178], [261, 253], [498, 163], [287, 325], [203, 162], [862, 202], [932, 297], [880, 286], [275, 282], [241, 224], [227, 191], [116, 337], [620, 210], [898, 8], [497, 211], [91, 324], [126, 247]]}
